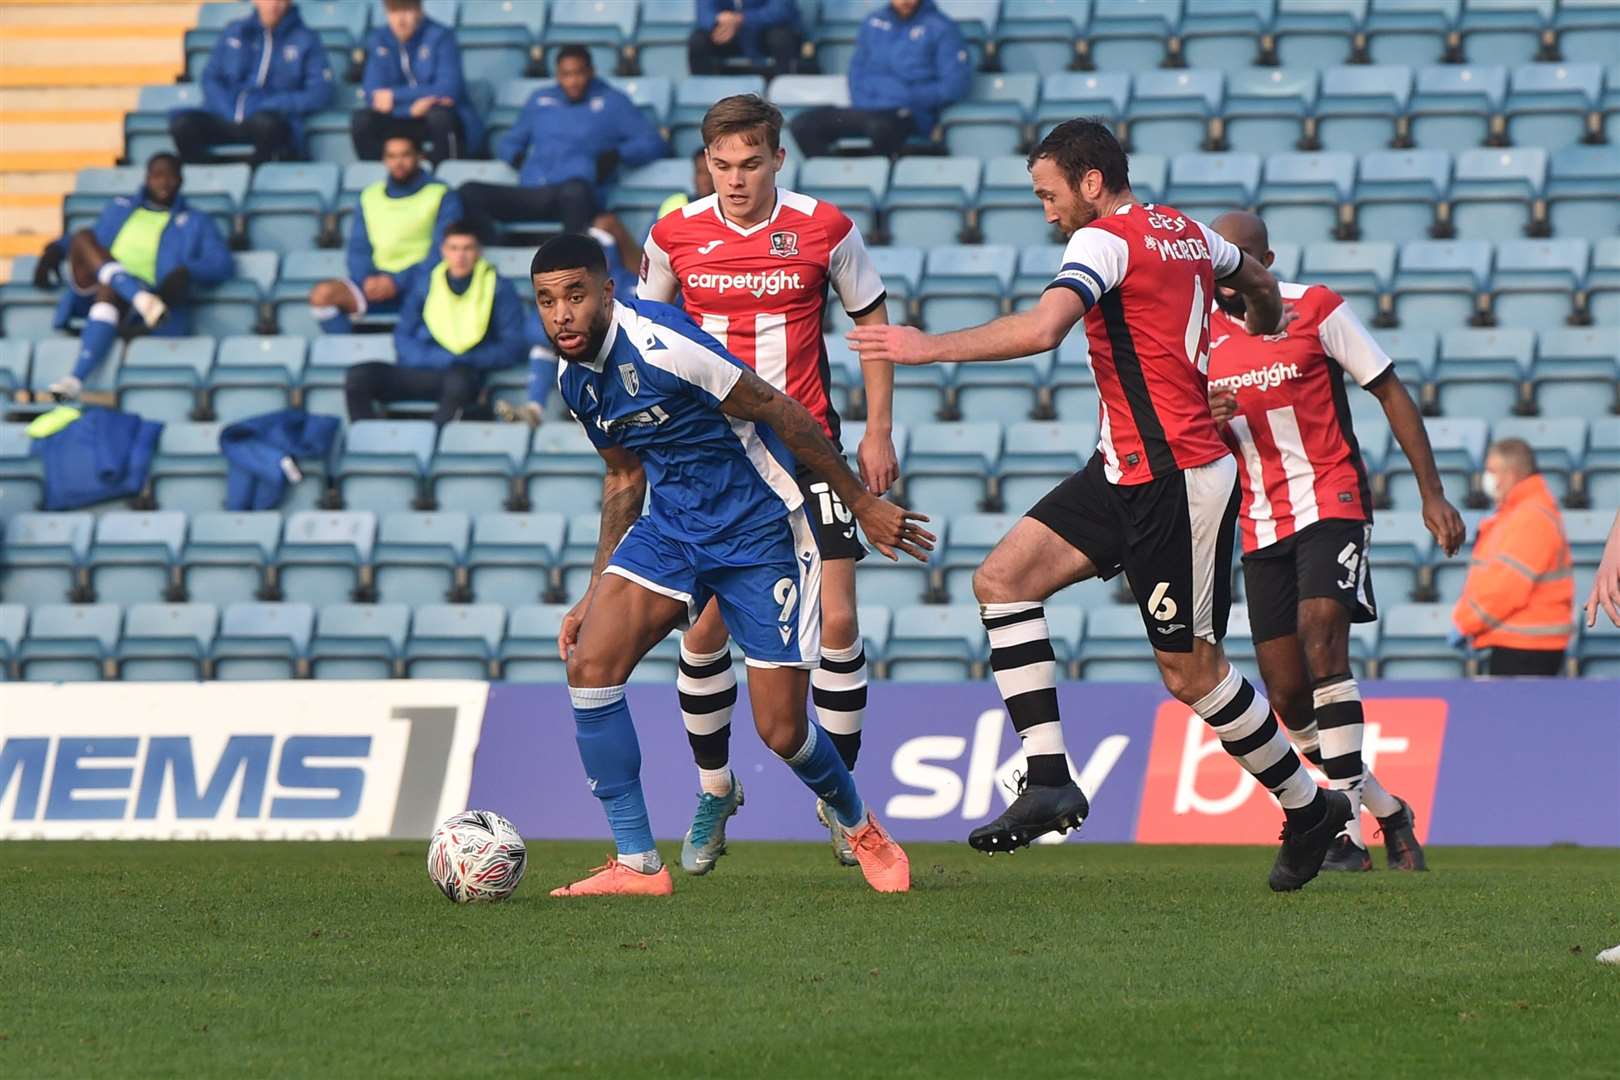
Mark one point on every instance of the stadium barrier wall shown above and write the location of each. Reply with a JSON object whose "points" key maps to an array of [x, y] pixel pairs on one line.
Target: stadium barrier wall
{"points": [[335, 760]]}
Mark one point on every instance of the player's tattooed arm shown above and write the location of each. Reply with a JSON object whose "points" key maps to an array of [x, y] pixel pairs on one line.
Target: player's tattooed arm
{"points": [[888, 526], [1024, 333], [624, 491]]}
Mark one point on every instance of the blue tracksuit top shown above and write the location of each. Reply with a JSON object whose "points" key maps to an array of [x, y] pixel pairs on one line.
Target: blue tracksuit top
{"points": [[920, 63], [428, 65], [284, 70], [556, 139]]}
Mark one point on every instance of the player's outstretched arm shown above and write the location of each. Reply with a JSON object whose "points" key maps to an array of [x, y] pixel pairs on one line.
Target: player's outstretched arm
{"points": [[885, 524], [624, 490], [1606, 589], [1024, 333], [1406, 423]]}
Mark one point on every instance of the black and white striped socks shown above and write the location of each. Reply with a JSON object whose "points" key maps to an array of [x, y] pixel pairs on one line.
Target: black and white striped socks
{"points": [[1025, 668], [1250, 733], [838, 689], [708, 690]]}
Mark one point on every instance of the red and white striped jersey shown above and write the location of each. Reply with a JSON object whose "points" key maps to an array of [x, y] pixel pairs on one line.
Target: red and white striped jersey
{"points": [[1147, 275], [761, 290], [1292, 432]]}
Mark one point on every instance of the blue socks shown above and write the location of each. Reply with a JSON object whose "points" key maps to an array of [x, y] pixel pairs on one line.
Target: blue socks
{"points": [[612, 758], [96, 339], [817, 763], [332, 320], [115, 278]]}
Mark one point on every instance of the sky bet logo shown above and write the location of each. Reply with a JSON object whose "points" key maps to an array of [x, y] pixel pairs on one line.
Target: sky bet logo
{"points": [[144, 778]]}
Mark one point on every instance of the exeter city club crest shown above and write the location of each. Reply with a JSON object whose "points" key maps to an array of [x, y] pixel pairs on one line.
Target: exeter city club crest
{"points": [[631, 379], [784, 244]]}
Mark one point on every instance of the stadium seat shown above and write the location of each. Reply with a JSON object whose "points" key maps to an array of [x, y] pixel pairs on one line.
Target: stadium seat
{"points": [[262, 641], [857, 185], [1361, 273], [1073, 387], [1224, 34], [1266, 108], [970, 539], [420, 557], [476, 465], [162, 377], [1067, 94], [1396, 193], [661, 38], [1414, 352], [1454, 107], [992, 119], [1549, 105], [188, 471], [1038, 456], [511, 557], [929, 197], [947, 466], [529, 651], [794, 94], [1399, 556], [1129, 35], [1598, 650], [226, 554], [330, 358], [1504, 31], [13, 623], [1409, 31], [135, 557], [54, 357], [642, 190], [936, 642], [876, 622], [287, 204], [836, 26], [563, 470], [1535, 279], [1316, 33], [1459, 451], [1602, 287], [1359, 107], [290, 298], [1285, 265], [1150, 175], [323, 554], [1038, 264], [572, 572], [384, 463], [26, 312], [233, 306], [1007, 210], [1413, 643], [1601, 475], [1559, 445], [69, 642], [497, 38], [22, 476], [1008, 390], [963, 285], [693, 96], [1114, 649], [146, 128], [166, 642], [1588, 31], [1205, 185], [93, 189], [1172, 110], [359, 641], [254, 375], [1581, 182], [220, 190], [902, 270], [1491, 191], [1577, 371], [1482, 372], [1304, 196], [1441, 283], [41, 557], [455, 641], [14, 361], [603, 28]]}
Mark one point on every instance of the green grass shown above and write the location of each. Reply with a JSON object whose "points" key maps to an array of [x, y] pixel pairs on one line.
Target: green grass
{"points": [[140, 959]]}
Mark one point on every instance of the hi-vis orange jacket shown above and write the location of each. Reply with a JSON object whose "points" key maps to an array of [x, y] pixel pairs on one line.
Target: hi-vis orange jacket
{"points": [[1520, 592]]}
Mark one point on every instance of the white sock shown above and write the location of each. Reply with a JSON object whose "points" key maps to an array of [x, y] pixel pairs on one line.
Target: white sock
{"points": [[1250, 733], [716, 782], [109, 270], [1376, 798], [643, 862]]}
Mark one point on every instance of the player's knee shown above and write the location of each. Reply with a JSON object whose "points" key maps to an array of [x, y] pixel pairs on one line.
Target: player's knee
{"points": [[105, 295], [588, 668], [1325, 637], [993, 585], [839, 626], [1292, 702], [328, 294]]}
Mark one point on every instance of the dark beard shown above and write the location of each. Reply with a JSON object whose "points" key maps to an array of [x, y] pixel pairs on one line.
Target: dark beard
{"points": [[1232, 305], [593, 341]]}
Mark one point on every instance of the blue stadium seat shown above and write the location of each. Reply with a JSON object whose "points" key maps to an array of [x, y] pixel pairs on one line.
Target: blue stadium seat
{"points": [[232, 307], [322, 554], [69, 642], [146, 129], [1301, 195], [693, 96], [1238, 644], [1577, 371], [1073, 386], [1598, 650], [1130, 35], [1504, 31], [330, 358], [1482, 372], [794, 94], [1459, 451], [1601, 475], [1588, 31], [970, 539], [1150, 175], [1548, 105], [135, 557], [661, 38], [1396, 192], [384, 463], [290, 298], [1224, 34], [1559, 446], [947, 466], [498, 38], [262, 641], [511, 557], [1172, 110], [54, 357], [93, 189], [896, 584], [359, 641], [1454, 106], [936, 642], [1316, 33], [901, 269], [161, 377], [1409, 31], [475, 465], [1414, 352], [226, 554], [529, 652], [255, 375], [1581, 182], [642, 190], [1038, 264], [603, 28], [1441, 283], [1400, 554], [461, 171], [1204, 185], [220, 190], [188, 471], [419, 557], [929, 197], [564, 470], [286, 204], [1007, 208], [41, 557], [1266, 108], [1361, 273], [13, 624], [166, 642], [1067, 94], [1602, 287], [1040, 35], [857, 185], [1038, 456], [22, 476], [327, 132], [1358, 107], [14, 362], [963, 285], [836, 27], [1114, 649], [652, 94], [1285, 265], [1491, 191], [1413, 644], [455, 641], [1008, 390], [1535, 279], [1586, 531], [991, 121]]}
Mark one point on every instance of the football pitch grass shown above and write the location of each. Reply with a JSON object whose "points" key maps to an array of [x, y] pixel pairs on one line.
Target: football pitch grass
{"points": [[244, 959]]}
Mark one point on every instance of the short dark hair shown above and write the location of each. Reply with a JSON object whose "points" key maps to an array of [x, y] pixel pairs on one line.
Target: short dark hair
{"points": [[460, 228], [414, 140], [402, 5], [744, 115], [570, 251], [577, 52], [1077, 146], [164, 155]]}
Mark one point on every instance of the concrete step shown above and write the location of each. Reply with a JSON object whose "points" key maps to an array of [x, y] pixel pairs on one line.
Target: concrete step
{"points": [[17, 103], [83, 13], [39, 214], [53, 161], [40, 183]]}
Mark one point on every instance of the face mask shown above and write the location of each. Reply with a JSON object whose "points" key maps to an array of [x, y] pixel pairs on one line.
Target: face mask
{"points": [[1489, 486]]}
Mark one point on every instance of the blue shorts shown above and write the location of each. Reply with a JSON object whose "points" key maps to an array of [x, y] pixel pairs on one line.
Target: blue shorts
{"points": [[768, 581]]}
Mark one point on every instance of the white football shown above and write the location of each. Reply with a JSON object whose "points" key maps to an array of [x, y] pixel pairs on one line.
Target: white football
{"points": [[476, 856]]}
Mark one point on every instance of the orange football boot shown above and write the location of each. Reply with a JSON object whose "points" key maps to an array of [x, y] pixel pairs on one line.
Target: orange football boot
{"points": [[883, 862], [617, 879]]}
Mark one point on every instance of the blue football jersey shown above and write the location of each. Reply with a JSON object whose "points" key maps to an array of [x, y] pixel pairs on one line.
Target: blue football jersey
{"points": [[655, 390]]}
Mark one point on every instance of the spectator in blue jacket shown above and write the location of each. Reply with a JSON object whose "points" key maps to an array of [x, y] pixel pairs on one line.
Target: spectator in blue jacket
{"points": [[133, 270], [398, 223], [760, 30], [266, 75], [414, 86], [910, 62], [568, 142], [458, 322]]}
